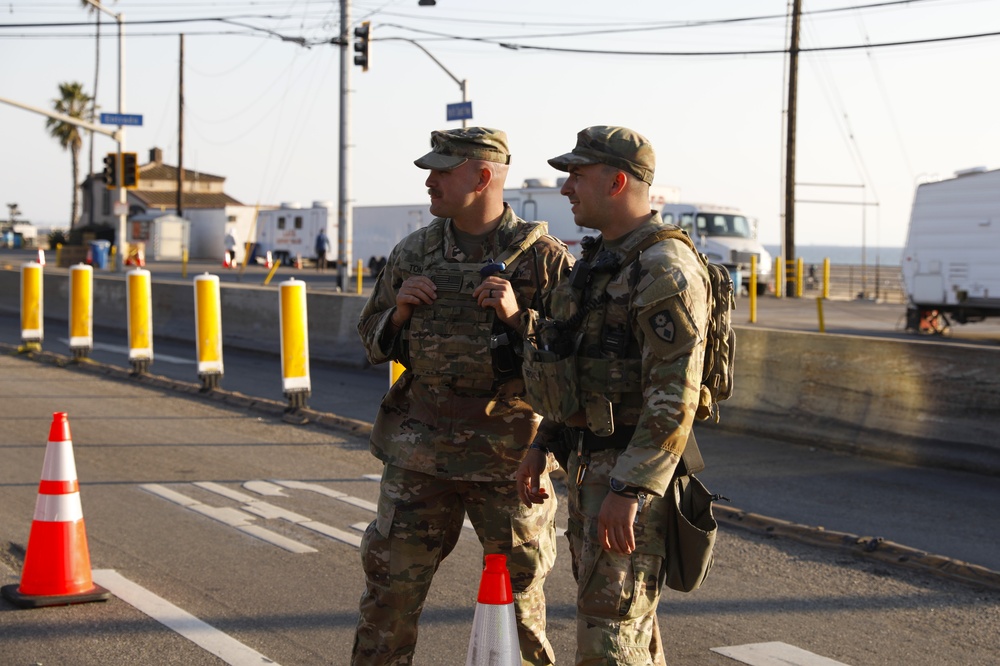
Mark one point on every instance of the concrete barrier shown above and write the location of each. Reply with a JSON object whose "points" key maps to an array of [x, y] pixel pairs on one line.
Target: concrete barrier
{"points": [[916, 401]]}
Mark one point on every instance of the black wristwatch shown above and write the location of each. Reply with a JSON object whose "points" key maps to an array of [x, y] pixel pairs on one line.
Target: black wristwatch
{"points": [[619, 488]]}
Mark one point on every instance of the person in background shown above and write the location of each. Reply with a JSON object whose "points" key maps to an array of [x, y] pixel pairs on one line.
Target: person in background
{"points": [[231, 245], [449, 305], [640, 306], [322, 247]]}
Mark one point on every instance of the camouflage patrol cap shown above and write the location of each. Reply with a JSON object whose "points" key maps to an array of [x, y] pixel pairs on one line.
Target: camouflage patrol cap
{"points": [[619, 147], [453, 148]]}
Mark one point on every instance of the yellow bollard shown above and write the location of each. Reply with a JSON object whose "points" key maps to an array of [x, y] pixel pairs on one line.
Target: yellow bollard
{"points": [[81, 310], [184, 263], [396, 369], [779, 277], [208, 329], [58, 253], [360, 276], [753, 289], [138, 295], [799, 269], [294, 324], [819, 309], [826, 278], [32, 306]]}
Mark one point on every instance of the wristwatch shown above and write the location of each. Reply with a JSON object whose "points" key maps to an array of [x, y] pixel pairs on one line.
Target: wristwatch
{"points": [[620, 488]]}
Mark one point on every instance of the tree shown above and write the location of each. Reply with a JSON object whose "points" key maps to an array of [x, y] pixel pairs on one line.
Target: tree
{"points": [[75, 103]]}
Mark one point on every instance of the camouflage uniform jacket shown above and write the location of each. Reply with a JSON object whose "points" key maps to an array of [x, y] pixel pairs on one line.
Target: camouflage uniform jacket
{"points": [[429, 427], [661, 300]]}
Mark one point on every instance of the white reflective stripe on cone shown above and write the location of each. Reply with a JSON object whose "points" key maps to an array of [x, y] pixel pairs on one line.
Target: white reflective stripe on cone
{"points": [[59, 508], [59, 464]]}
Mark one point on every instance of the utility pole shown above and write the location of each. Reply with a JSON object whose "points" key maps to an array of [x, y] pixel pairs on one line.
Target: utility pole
{"points": [[793, 80], [344, 217], [180, 134]]}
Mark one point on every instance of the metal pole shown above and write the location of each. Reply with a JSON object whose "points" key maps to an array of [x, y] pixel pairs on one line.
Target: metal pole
{"points": [[122, 194], [344, 211], [793, 79], [465, 98]]}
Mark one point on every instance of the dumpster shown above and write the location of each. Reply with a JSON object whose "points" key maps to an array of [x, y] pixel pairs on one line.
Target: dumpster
{"points": [[97, 253]]}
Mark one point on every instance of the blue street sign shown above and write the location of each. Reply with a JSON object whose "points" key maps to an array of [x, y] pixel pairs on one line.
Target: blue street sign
{"points": [[121, 119], [460, 111]]}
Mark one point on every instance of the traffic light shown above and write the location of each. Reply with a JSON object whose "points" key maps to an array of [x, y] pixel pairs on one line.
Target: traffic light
{"points": [[111, 170], [362, 35], [130, 171]]}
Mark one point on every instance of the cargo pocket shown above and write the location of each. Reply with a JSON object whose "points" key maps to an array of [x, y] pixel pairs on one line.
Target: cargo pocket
{"points": [[550, 383]]}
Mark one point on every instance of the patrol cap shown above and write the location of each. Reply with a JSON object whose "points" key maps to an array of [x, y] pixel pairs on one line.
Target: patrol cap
{"points": [[619, 147], [453, 148]]}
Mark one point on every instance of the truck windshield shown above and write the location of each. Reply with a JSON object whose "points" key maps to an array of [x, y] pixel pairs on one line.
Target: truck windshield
{"points": [[718, 224]]}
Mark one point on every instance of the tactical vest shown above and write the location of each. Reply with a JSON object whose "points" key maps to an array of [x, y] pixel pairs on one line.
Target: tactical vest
{"points": [[454, 341], [609, 363]]}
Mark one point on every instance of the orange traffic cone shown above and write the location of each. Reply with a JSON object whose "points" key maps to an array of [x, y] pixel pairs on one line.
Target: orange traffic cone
{"points": [[298, 261], [494, 626], [227, 262], [268, 262], [57, 564]]}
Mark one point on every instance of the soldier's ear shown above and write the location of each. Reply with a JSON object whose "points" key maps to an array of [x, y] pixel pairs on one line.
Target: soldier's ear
{"points": [[618, 183], [485, 178]]}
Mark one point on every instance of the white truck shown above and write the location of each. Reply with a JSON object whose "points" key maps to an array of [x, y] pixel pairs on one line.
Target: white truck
{"points": [[290, 232], [725, 234], [950, 262]]}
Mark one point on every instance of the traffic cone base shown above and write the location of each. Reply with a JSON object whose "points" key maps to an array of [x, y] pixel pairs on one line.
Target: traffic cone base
{"points": [[56, 568], [494, 625]]}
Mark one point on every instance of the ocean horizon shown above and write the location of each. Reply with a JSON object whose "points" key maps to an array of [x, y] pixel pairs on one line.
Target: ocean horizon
{"points": [[845, 254]]}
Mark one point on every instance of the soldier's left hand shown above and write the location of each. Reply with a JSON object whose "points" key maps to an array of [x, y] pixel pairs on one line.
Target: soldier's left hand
{"points": [[497, 293], [614, 523]]}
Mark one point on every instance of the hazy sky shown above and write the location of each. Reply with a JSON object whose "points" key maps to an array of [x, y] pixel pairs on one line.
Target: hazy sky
{"points": [[264, 112]]}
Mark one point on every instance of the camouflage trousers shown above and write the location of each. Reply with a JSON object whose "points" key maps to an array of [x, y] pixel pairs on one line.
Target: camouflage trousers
{"points": [[616, 594], [418, 524]]}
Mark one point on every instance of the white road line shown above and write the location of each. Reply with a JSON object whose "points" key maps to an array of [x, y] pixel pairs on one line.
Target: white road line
{"points": [[774, 654], [372, 477], [228, 516], [269, 511], [202, 634]]}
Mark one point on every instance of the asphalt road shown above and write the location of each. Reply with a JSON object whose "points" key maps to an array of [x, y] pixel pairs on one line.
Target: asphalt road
{"points": [[171, 481]]}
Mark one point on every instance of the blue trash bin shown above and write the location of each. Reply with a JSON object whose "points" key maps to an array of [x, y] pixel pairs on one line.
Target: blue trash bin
{"points": [[99, 250]]}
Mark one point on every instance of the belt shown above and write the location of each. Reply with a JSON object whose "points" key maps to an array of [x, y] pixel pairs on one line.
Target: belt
{"points": [[619, 439]]}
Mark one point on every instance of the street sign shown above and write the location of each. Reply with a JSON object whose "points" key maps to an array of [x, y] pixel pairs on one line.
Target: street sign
{"points": [[460, 111], [121, 119]]}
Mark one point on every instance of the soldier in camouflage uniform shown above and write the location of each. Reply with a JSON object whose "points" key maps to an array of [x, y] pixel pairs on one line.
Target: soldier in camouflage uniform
{"points": [[638, 343], [449, 306]]}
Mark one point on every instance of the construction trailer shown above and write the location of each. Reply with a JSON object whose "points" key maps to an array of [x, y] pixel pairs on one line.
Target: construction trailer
{"points": [[951, 261]]}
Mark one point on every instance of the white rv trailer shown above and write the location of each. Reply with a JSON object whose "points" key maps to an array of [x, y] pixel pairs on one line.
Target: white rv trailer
{"points": [[951, 262]]}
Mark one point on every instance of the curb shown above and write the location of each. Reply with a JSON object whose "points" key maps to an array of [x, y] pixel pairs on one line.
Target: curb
{"points": [[876, 548]]}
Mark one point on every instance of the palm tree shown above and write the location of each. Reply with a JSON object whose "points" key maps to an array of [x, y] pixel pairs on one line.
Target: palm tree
{"points": [[72, 102]]}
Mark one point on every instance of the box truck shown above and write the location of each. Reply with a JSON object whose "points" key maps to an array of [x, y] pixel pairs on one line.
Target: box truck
{"points": [[725, 234], [951, 261], [290, 232]]}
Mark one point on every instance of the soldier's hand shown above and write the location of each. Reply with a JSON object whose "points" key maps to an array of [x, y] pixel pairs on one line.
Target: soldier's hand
{"points": [[614, 523], [415, 290], [497, 293], [529, 488]]}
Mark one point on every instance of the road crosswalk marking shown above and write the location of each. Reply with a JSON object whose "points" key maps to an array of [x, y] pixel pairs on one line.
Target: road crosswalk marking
{"points": [[774, 653]]}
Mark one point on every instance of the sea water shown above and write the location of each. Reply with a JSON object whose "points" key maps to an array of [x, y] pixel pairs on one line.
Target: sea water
{"points": [[845, 254]]}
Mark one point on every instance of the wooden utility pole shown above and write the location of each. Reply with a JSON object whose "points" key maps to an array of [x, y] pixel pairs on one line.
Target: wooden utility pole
{"points": [[180, 135], [793, 81]]}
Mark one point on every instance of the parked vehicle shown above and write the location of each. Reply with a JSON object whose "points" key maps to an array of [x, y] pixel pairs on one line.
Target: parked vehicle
{"points": [[727, 236], [539, 199], [951, 269], [290, 232]]}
